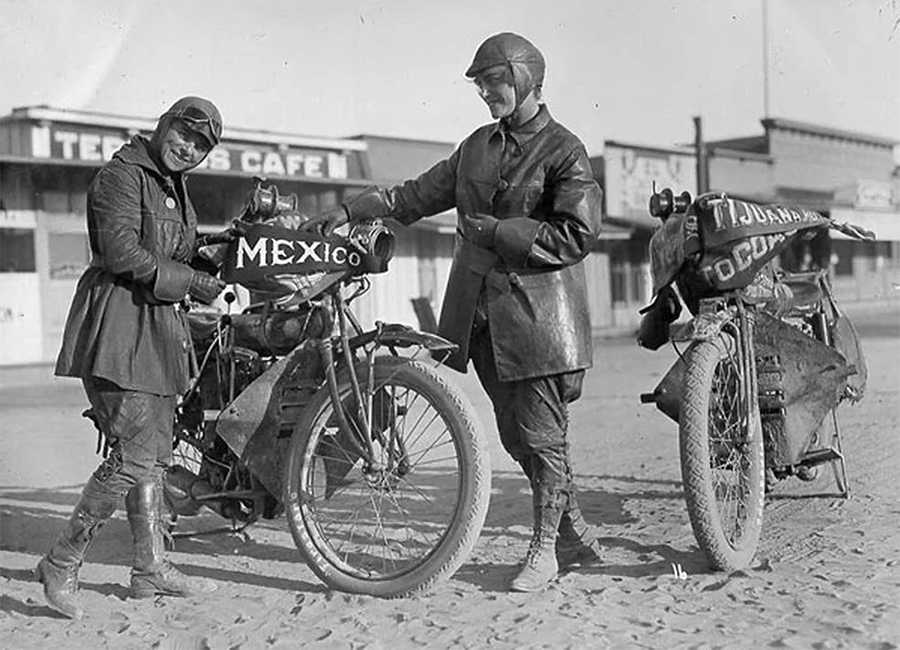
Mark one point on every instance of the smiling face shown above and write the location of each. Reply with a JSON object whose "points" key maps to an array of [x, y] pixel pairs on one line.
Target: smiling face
{"points": [[495, 86], [181, 148]]}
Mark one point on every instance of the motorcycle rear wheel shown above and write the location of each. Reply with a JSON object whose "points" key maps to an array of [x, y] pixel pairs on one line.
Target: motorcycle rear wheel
{"points": [[721, 448], [411, 519]]}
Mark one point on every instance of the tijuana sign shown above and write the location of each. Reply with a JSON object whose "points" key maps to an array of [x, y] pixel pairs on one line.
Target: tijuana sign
{"points": [[733, 219]]}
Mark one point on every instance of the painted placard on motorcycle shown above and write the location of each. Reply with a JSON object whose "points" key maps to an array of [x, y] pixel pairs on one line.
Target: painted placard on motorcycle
{"points": [[266, 251], [739, 238], [733, 219]]}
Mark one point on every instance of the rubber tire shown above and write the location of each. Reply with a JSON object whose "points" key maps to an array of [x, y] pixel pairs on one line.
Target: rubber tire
{"points": [[703, 359], [471, 508]]}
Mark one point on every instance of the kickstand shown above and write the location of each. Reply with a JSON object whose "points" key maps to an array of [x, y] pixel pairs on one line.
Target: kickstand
{"points": [[233, 529]]}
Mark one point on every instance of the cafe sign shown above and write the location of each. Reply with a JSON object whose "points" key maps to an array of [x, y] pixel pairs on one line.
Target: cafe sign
{"points": [[97, 145]]}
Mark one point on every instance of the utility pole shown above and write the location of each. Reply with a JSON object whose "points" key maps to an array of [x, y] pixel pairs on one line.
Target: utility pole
{"points": [[765, 49], [702, 159]]}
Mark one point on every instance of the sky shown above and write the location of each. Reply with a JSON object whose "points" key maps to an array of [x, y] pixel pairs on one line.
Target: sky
{"points": [[633, 71]]}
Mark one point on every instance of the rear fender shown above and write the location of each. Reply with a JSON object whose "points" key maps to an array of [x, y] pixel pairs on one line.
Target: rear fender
{"points": [[403, 336]]}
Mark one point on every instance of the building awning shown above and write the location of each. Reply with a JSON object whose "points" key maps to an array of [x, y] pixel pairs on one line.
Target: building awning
{"points": [[885, 224], [6, 159]]}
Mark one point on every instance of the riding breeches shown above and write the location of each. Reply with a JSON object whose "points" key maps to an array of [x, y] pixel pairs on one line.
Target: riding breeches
{"points": [[531, 415], [138, 430]]}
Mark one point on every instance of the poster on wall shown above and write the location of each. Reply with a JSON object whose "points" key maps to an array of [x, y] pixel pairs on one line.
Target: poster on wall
{"points": [[631, 172]]}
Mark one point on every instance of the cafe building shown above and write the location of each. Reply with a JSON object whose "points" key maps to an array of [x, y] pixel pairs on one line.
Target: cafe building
{"points": [[48, 158]]}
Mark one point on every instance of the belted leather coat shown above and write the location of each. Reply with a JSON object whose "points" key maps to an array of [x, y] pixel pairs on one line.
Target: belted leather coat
{"points": [[530, 283], [125, 323]]}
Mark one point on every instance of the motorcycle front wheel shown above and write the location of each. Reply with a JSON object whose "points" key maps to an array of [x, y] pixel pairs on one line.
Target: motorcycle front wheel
{"points": [[405, 516], [721, 447]]}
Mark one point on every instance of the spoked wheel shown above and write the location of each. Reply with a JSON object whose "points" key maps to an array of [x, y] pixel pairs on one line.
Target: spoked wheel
{"points": [[405, 516], [721, 447], [187, 460]]}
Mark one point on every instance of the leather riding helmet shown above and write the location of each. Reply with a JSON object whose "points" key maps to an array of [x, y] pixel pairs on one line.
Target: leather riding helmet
{"points": [[198, 114], [525, 61]]}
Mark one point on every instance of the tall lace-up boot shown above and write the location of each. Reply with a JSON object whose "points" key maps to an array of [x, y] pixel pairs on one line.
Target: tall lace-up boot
{"points": [[58, 569], [540, 565], [152, 575], [578, 542]]}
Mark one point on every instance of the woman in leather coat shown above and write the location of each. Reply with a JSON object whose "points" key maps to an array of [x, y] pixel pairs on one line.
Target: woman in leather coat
{"points": [[516, 303], [127, 339]]}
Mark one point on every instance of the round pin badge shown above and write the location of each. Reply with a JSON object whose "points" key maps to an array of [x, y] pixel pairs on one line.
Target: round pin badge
{"points": [[170, 203]]}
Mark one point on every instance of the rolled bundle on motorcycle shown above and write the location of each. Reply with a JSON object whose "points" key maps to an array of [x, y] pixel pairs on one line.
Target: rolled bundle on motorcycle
{"points": [[267, 333], [279, 332]]}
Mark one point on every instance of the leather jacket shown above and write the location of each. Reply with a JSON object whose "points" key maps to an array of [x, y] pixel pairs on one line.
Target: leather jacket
{"points": [[529, 285], [125, 323]]}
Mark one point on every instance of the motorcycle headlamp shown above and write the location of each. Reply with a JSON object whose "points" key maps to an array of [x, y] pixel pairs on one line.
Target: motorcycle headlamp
{"points": [[375, 242]]}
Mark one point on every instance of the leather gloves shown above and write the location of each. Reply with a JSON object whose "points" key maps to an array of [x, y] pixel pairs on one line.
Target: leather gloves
{"points": [[326, 222], [480, 229], [204, 287]]}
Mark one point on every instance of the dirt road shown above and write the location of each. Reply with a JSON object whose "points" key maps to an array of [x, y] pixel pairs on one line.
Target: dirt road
{"points": [[826, 574]]}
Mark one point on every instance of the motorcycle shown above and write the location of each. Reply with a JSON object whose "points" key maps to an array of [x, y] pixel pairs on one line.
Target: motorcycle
{"points": [[769, 357], [379, 464]]}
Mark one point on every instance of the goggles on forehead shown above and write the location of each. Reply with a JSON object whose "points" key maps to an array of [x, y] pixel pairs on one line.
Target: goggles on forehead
{"points": [[197, 117]]}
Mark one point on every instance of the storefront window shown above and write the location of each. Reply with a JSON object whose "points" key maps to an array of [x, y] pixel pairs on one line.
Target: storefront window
{"points": [[842, 257], [619, 281], [875, 255], [69, 255], [628, 278], [17, 250]]}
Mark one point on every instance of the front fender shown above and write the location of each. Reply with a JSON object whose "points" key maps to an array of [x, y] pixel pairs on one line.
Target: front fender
{"points": [[704, 326]]}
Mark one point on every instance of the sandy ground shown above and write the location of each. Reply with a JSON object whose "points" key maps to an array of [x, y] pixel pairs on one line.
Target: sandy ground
{"points": [[826, 574]]}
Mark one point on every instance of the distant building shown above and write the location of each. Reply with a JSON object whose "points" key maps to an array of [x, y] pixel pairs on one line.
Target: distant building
{"points": [[850, 176]]}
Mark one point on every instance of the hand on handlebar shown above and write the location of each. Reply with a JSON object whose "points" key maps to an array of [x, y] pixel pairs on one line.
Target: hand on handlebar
{"points": [[205, 287], [237, 230], [326, 222]]}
